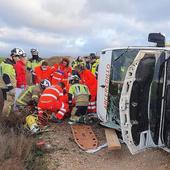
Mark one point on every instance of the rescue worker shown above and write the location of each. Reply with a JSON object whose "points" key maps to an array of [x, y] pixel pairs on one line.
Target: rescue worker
{"points": [[20, 69], [43, 72], [61, 73], [87, 62], [90, 81], [94, 64], [51, 102], [8, 80], [34, 62], [31, 95], [81, 95], [75, 63]]}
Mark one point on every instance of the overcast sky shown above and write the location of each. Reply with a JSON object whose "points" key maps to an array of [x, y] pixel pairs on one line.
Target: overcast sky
{"points": [[78, 27]]}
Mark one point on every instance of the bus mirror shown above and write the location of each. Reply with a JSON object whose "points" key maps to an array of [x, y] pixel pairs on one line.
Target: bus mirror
{"points": [[157, 38]]}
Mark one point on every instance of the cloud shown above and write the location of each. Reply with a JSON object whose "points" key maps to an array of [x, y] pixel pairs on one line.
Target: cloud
{"points": [[79, 27]]}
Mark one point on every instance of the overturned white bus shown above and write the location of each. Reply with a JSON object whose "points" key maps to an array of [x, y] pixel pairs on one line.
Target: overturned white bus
{"points": [[134, 92]]}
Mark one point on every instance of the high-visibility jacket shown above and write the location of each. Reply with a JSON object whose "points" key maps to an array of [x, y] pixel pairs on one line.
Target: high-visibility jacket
{"points": [[51, 100], [42, 74], [61, 73], [20, 68], [7, 68], [31, 93], [32, 63], [57, 76], [89, 79], [51, 94], [80, 93], [94, 68]]}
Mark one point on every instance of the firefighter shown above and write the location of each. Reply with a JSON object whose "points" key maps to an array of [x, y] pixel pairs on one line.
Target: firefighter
{"points": [[8, 79], [51, 102], [90, 81], [42, 72], [34, 62], [61, 72], [31, 95], [81, 95], [94, 64]]}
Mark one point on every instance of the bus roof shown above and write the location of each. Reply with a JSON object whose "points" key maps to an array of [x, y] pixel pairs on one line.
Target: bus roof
{"points": [[138, 47]]}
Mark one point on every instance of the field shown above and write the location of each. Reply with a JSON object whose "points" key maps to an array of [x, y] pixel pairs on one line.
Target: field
{"points": [[68, 156], [17, 153]]}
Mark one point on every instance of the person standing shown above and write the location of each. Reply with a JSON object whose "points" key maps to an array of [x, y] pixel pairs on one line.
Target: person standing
{"points": [[34, 62], [8, 80], [94, 64], [90, 81], [43, 72], [20, 69]]}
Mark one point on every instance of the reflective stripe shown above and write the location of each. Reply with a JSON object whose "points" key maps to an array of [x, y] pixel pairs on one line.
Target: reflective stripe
{"points": [[49, 95], [64, 110], [91, 103], [61, 113], [62, 106], [21, 102], [8, 84], [34, 96], [56, 78], [91, 107], [60, 94], [59, 73]]}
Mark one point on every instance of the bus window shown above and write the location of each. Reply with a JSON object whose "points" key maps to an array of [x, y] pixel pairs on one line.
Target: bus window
{"points": [[121, 59]]}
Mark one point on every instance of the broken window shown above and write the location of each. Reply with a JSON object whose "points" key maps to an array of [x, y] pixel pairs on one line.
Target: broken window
{"points": [[121, 59]]}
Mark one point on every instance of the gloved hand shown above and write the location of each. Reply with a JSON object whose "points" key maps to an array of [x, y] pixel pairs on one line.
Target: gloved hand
{"points": [[32, 103], [32, 72], [10, 87]]}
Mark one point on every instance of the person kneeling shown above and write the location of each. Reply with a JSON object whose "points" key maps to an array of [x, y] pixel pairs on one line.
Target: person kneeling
{"points": [[79, 93]]}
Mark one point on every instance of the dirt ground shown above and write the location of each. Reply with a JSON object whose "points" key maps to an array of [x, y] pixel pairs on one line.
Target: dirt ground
{"points": [[66, 154]]}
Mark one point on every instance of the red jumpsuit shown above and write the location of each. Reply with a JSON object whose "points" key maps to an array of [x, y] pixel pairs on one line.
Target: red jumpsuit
{"points": [[90, 81], [51, 100], [42, 74], [61, 74]]}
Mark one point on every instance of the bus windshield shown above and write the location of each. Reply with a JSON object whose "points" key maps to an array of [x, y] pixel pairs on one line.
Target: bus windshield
{"points": [[121, 59]]}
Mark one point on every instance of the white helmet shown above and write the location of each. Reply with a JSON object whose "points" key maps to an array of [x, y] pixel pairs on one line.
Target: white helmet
{"points": [[45, 83], [74, 78], [34, 51], [17, 52]]}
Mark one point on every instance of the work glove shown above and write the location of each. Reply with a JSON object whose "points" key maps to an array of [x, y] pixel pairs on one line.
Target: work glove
{"points": [[10, 87], [32, 72], [32, 103]]}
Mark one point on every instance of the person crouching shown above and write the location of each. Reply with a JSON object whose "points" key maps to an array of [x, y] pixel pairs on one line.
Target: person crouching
{"points": [[51, 102], [81, 96]]}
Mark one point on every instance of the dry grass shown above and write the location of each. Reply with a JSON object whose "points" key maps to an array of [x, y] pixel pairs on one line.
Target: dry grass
{"points": [[15, 150]]}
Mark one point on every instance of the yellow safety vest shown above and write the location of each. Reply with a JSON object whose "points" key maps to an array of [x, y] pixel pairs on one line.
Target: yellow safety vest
{"points": [[33, 63], [8, 69], [94, 67]]}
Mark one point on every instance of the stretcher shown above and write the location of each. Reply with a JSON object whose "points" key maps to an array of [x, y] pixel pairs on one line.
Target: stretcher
{"points": [[84, 137]]}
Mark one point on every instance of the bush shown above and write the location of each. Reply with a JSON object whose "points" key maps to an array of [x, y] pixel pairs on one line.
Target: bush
{"points": [[17, 151]]}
